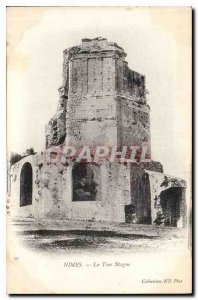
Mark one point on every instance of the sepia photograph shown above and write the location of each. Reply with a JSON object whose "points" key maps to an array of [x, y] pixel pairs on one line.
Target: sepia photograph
{"points": [[99, 150]]}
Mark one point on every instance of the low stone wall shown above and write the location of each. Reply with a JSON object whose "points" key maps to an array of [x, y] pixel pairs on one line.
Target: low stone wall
{"points": [[52, 192]]}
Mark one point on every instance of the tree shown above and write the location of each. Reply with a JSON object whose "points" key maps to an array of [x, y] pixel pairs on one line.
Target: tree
{"points": [[14, 158], [29, 151]]}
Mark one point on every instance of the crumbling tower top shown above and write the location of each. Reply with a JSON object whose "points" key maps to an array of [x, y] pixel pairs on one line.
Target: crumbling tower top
{"points": [[102, 101]]}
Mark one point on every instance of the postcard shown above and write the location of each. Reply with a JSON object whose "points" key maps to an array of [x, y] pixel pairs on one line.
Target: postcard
{"points": [[99, 127]]}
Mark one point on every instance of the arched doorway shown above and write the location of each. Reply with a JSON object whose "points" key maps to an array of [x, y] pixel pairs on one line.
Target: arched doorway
{"points": [[172, 204], [26, 185]]}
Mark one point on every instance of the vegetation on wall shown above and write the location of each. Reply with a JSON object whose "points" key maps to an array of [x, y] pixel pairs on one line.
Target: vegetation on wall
{"points": [[15, 157]]}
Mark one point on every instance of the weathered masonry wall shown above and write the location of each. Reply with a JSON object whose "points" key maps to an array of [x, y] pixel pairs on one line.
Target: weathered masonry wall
{"points": [[102, 101], [140, 190], [52, 193], [133, 111], [115, 194], [128, 82], [117, 188], [36, 208], [91, 111], [55, 130], [48, 188], [133, 123], [167, 198]]}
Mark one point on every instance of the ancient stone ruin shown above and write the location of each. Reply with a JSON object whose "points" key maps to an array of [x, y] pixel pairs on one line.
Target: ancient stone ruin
{"points": [[101, 102]]}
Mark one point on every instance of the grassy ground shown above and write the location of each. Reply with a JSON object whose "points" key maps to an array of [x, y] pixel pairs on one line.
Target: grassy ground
{"points": [[80, 236]]}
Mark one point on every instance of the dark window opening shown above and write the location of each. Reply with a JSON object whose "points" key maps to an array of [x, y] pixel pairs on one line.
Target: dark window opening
{"points": [[86, 179], [130, 214], [26, 185]]}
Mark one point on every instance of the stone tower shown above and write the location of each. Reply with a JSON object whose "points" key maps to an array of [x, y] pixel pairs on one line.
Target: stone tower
{"points": [[102, 101]]}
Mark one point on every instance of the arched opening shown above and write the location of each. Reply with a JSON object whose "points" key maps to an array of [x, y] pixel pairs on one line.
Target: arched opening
{"points": [[86, 181], [172, 204], [26, 185]]}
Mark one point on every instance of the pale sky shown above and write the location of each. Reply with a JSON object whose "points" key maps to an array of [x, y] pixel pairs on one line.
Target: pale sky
{"points": [[157, 43]]}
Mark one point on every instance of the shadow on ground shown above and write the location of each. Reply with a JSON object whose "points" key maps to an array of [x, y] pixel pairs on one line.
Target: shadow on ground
{"points": [[83, 236]]}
